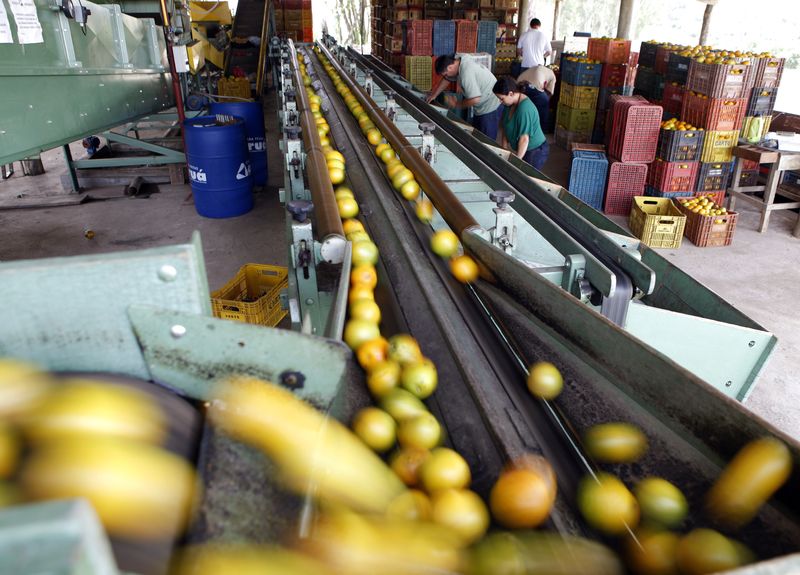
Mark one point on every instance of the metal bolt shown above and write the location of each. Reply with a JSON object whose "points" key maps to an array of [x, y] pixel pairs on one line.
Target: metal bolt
{"points": [[177, 331], [751, 344], [167, 273], [728, 383], [309, 301]]}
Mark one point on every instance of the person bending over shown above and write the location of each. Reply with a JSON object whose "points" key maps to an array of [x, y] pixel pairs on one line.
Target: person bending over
{"points": [[541, 83], [476, 84], [520, 130]]}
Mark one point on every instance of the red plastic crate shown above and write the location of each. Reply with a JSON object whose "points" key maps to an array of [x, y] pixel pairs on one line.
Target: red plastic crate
{"points": [[713, 114], [673, 176], [625, 180], [717, 195], [419, 37], [768, 72], [709, 231], [635, 125], [720, 80], [673, 98], [466, 36], [613, 75], [662, 59], [609, 51]]}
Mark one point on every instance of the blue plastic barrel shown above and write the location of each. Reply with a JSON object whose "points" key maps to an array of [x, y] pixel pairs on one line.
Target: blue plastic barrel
{"points": [[219, 167], [253, 115]]}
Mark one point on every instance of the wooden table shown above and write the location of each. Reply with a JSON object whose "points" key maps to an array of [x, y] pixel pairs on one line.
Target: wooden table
{"points": [[779, 162]]}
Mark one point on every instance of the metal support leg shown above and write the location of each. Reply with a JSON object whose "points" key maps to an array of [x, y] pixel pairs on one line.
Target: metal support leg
{"points": [[73, 175]]}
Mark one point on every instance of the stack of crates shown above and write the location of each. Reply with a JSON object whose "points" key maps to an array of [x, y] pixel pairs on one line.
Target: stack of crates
{"points": [[634, 125], [716, 99], [676, 169], [766, 78], [587, 177], [376, 29], [437, 9], [504, 57], [296, 19], [616, 78], [651, 75], [577, 101]]}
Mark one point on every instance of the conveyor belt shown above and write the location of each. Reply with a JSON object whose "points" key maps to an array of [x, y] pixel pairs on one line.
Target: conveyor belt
{"points": [[481, 340]]}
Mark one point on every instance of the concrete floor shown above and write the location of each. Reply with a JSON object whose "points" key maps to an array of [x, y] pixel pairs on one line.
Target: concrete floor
{"points": [[757, 274]]}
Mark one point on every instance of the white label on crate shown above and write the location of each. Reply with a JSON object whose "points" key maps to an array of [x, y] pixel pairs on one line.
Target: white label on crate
{"points": [[29, 30], [197, 175], [5, 27]]}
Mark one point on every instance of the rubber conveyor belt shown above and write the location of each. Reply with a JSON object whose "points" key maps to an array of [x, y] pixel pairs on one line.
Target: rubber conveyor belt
{"points": [[482, 398]]}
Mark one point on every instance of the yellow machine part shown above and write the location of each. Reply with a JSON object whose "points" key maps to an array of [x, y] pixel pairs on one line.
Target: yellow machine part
{"points": [[217, 12], [203, 50]]}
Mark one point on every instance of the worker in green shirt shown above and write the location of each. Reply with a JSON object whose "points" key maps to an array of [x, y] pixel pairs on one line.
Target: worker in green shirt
{"points": [[476, 83], [520, 130]]}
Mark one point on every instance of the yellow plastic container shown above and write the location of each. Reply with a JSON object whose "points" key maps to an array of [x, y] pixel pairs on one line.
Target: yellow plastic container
{"points": [[253, 296], [657, 222]]}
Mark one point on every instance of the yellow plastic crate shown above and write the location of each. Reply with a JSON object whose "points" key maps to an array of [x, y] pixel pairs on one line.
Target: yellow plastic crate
{"points": [[718, 146], [579, 97], [236, 87], [657, 222], [253, 296]]}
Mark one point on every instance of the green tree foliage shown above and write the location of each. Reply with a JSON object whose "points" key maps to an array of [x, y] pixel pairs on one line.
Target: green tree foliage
{"points": [[352, 22]]}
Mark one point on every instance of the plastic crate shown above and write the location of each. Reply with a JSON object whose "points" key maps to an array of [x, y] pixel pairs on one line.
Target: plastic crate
{"points": [[574, 119], [505, 50], [419, 37], [393, 44], [487, 36], [418, 71], [680, 146], [235, 87], [792, 179], [748, 178], [677, 68], [647, 54], [672, 99], [581, 73], [652, 192], [565, 138], [762, 101], [444, 37], [755, 128], [718, 146], [578, 97], [719, 80], [715, 114], [657, 222], [625, 180], [673, 176], [767, 72], [253, 296], [607, 91], [713, 176], [649, 84], [466, 36], [609, 51], [587, 177], [709, 231], [613, 75], [634, 129]]}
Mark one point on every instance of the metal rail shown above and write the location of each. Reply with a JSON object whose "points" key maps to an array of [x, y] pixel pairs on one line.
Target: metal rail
{"points": [[326, 214]]}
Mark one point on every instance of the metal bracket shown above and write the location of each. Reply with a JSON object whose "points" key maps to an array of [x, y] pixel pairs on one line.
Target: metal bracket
{"points": [[428, 148], [368, 85], [574, 280], [390, 107], [504, 232], [294, 162], [302, 261]]}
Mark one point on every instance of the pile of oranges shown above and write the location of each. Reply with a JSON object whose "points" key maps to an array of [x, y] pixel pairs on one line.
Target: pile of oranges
{"points": [[678, 125]]}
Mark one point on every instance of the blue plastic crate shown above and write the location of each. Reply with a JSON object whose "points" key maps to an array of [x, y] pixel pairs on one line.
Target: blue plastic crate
{"points": [[487, 36], [587, 177], [444, 37], [580, 73], [654, 193]]}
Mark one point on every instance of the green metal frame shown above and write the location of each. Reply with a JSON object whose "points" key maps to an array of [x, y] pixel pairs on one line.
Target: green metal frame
{"points": [[163, 155], [76, 84]]}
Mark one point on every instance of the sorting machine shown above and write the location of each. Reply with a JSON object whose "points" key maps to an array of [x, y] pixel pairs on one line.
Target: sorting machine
{"points": [[630, 333]]}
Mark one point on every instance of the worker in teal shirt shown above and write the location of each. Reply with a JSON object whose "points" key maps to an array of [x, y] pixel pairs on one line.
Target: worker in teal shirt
{"points": [[520, 129]]}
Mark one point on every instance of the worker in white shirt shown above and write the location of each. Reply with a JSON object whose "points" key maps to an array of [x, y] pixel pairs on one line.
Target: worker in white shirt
{"points": [[540, 83], [533, 46]]}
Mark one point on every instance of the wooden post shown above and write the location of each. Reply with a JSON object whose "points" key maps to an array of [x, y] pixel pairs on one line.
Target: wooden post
{"points": [[556, 10], [706, 23]]}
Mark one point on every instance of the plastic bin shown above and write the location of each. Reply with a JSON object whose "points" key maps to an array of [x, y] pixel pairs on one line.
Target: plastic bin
{"points": [[762, 101], [715, 114], [418, 71], [767, 72], [718, 146], [709, 231], [657, 222], [625, 180], [574, 119], [419, 37], [466, 36], [647, 54], [719, 80], [578, 97], [680, 146], [635, 126], [580, 73], [673, 176], [487, 36], [253, 295], [587, 177], [713, 176], [444, 37], [677, 68], [609, 51]]}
